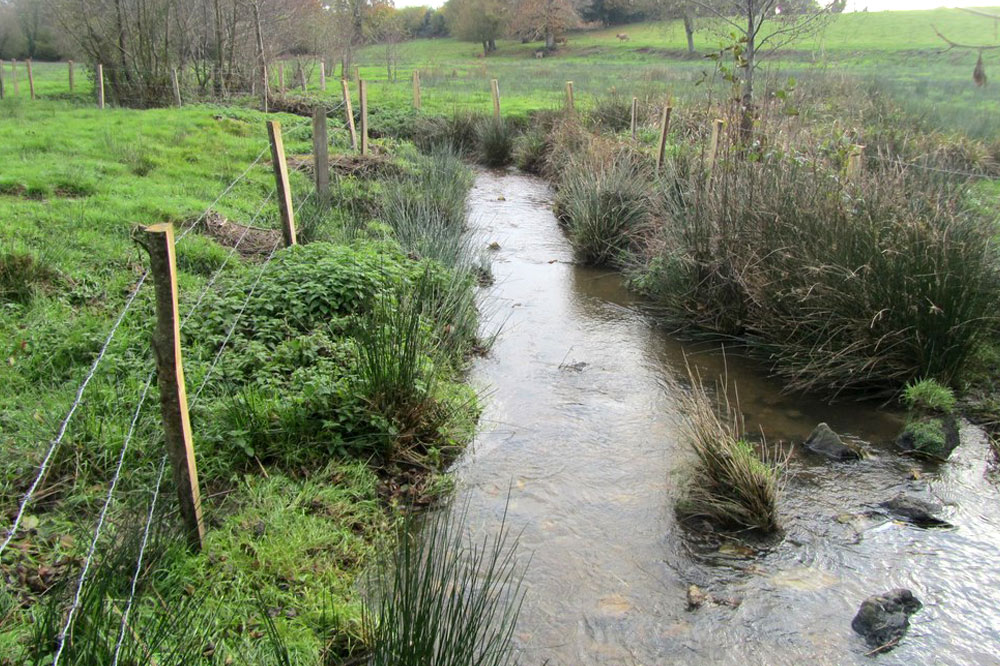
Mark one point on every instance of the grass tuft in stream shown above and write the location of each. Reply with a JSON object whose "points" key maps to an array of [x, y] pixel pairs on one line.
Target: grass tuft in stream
{"points": [[733, 486]]}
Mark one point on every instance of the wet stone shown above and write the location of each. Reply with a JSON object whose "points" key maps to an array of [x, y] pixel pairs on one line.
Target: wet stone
{"points": [[826, 442], [915, 511], [883, 619]]}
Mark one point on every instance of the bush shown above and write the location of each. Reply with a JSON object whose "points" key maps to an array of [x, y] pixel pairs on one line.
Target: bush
{"points": [[612, 111], [441, 599], [842, 286], [496, 143], [732, 485], [605, 207], [530, 150], [929, 397]]}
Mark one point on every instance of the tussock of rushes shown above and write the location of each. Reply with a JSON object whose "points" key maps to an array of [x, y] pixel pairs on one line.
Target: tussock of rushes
{"points": [[732, 485], [496, 143], [441, 598], [605, 207]]}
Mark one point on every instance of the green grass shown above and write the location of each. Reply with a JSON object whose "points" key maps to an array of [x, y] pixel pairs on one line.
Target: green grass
{"points": [[286, 432]]}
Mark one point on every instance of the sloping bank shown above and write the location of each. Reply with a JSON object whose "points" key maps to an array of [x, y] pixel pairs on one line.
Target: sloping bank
{"points": [[336, 407]]}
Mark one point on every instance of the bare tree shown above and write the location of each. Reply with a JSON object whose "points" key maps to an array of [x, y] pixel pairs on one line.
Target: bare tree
{"points": [[543, 19]]}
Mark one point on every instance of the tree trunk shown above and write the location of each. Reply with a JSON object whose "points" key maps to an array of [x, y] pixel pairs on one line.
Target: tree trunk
{"points": [[746, 116], [550, 40], [493, 45], [217, 68], [689, 30]]}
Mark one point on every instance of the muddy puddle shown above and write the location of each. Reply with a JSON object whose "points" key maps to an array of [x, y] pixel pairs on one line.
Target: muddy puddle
{"points": [[581, 427]]}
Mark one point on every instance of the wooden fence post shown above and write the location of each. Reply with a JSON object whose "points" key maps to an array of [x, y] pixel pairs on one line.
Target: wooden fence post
{"points": [[302, 77], [2, 91], [357, 74], [570, 104], [321, 154], [416, 89], [713, 146], [281, 182], [31, 78], [664, 128], [854, 163], [265, 86], [70, 68], [349, 113], [495, 90], [170, 377], [635, 117], [13, 76], [363, 94], [177, 86], [281, 78], [322, 75], [100, 86]]}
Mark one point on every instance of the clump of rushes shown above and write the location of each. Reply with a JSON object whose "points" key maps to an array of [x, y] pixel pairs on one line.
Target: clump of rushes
{"points": [[931, 430], [21, 275], [530, 149], [611, 111], [496, 143], [441, 598], [732, 485], [605, 206]]}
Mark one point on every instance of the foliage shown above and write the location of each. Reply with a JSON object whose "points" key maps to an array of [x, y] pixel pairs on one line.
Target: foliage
{"points": [[928, 396], [605, 207], [442, 598], [496, 143], [482, 21], [732, 485]]}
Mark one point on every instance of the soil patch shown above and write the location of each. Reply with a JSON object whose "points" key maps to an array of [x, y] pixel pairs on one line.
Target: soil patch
{"points": [[256, 244]]}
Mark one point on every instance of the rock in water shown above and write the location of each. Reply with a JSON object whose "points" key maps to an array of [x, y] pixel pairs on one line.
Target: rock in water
{"points": [[884, 618], [825, 441], [930, 436], [915, 510]]}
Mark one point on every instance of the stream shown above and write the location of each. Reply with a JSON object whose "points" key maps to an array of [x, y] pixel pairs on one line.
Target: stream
{"points": [[581, 429]]}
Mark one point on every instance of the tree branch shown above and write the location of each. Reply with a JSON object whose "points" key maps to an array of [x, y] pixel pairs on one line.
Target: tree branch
{"points": [[956, 45]]}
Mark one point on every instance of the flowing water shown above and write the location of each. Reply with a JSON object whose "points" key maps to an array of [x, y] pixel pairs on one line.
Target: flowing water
{"points": [[581, 431]]}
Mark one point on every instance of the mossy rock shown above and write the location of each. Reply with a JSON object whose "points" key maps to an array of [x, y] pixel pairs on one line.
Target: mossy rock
{"points": [[932, 437]]}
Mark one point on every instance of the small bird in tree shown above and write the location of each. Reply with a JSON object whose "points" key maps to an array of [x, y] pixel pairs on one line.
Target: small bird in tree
{"points": [[978, 75]]}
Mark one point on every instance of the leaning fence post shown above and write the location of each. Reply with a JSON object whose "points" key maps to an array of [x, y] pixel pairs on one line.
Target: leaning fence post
{"points": [[854, 163], [363, 94], [177, 86], [664, 128], [713, 146], [349, 112], [635, 114], [31, 79], [69, 66], [570, 102], [170, 377], [100, 86], [416, 89], [281, 182], [2, 91], [322, 75], [321, 154]]}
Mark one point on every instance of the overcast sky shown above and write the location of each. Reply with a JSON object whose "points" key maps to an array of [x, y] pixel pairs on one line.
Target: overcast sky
{"points": [[872, 5]]}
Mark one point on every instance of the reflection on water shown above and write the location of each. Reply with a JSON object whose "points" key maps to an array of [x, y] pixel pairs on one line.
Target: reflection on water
{"points": [[581, 428]]}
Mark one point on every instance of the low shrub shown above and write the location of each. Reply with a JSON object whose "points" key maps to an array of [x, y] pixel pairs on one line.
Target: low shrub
{"points": [[441, 598], [495, 142], [605, 207], [732, 485]]}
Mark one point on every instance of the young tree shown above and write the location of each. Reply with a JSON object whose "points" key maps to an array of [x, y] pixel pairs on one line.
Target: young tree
{"points": [[761, 28], [543, 19], [482, 21]]}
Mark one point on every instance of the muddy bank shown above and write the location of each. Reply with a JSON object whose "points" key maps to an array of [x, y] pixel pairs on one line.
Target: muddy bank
{"points": [[581, 425]]}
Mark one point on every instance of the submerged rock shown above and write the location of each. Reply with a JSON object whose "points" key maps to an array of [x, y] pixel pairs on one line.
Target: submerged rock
{"points": [[915, 511], [825, 441], [884, 618], [931, 436]]}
